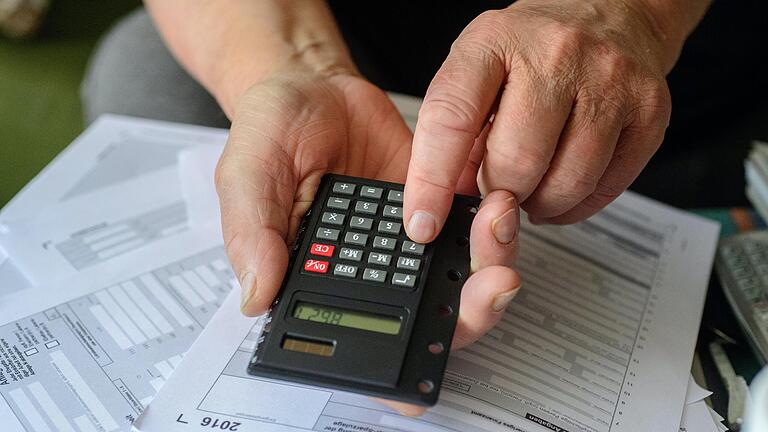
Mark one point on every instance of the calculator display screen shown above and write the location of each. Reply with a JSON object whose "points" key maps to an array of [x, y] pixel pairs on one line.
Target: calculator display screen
{"points": [[347, 318]]}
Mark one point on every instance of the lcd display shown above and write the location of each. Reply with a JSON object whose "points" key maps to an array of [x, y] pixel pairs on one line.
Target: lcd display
{"points": [[347, 318]]}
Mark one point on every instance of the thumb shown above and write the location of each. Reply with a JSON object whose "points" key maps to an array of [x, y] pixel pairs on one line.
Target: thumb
{"points": [[256, 188], [452, 116]]}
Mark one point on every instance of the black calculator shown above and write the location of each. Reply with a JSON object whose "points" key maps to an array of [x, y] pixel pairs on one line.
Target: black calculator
{"points": [[363, 308]]}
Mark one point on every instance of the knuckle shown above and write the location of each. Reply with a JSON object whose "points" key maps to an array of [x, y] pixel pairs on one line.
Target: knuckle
{"points": [[572, 185], [653, 105], [565, 40], [449, 112], [506, 160]]}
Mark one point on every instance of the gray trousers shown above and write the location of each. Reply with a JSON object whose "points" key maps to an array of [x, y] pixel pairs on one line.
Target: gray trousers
{"points": [[133, 73]]}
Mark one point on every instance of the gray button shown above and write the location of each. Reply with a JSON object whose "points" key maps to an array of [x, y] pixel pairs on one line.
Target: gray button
{"points": [[389, 227], [356, 238], [351, 254], [333, 218], [405, 280], [379, 258], [338, 203], [345, 270], [371, 192], [328, 233], [374, 275], [393, 212], [344, 188], [384, 243], [361, 223], [395, 196], [408, 263], [412, 248], [366, 207]]}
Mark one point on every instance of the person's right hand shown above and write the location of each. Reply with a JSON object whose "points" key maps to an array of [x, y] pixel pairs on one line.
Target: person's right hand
{"points": [[291, 129]]}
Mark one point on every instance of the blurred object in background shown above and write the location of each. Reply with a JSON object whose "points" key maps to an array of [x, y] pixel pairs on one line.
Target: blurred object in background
{"points": [[756, 173], [22, 18]]}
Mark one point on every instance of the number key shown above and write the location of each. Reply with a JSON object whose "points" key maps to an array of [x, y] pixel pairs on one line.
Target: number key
{"points": [[388, 227], [393, 212], [384, 243], [412, 248], [366, 207], [356, 238], [360, 223]]}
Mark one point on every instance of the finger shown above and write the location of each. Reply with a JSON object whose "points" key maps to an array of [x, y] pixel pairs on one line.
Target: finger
{"points": [[256, 190], [524, 135], [403, 408], [452, 116], [636, 145], [484, 298], [493, 237], [583, 154]]}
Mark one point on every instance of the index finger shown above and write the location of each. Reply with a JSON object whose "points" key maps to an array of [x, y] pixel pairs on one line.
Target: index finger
{"points": [[453, 114]]}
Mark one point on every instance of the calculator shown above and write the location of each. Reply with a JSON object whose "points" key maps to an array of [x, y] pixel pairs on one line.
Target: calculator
{"points": [[363, 308], [742, 267]]}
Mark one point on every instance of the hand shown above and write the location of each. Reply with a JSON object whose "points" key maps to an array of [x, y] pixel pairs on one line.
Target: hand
{"points": [[291, 129], [578, 103]]}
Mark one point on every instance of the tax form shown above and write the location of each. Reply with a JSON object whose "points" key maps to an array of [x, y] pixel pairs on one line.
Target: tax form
{"points": [[600, 339], [114, 190], [90, 354]]}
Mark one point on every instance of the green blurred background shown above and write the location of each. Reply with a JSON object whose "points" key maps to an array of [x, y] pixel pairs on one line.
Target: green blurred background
{"points": [[40, 77]]}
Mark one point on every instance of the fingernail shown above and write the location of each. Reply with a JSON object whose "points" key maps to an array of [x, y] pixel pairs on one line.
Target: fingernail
{"points": [[421, 227], [504, 227], [502, 300], [247, 287]]}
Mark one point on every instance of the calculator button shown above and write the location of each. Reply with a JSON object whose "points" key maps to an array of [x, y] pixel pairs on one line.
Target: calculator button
{"points": [[345, 270], [408, 263], [316, 266], [388, 227], [366, 207], [374, 275], [322, 249], [333, 218], [379, 258], [371, 192], [328, 233], [384, 243], [338, 203], [356, 238], [393, 212], [360, 223], [412, 248], [395, 196], [405, 280], [344, 188], [351, 254]]}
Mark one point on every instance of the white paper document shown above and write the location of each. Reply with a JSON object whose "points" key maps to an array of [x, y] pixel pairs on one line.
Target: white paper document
{"points": [[91, 353], [600, 339], [114, 190]]}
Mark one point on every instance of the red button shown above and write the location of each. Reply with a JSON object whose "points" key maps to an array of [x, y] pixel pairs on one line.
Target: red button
{"points": [[316, 266], [322, 249]]}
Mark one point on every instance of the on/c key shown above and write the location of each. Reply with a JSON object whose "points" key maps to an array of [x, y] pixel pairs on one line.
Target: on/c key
{"points": [[322, 249], [316, 266]]}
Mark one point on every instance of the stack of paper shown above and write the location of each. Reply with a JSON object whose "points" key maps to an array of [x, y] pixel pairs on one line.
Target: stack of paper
{"points": [[114, 285]]}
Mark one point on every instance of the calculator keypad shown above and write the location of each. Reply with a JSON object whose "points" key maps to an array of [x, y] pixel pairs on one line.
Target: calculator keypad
{"points": [[360, 236]]}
